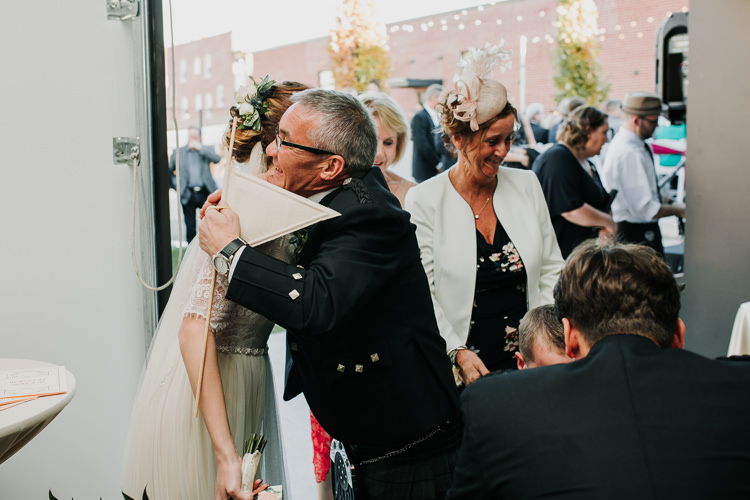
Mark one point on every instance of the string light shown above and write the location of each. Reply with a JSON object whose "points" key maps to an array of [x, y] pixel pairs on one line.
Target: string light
{"points": [[581, 17], [583, 28]]}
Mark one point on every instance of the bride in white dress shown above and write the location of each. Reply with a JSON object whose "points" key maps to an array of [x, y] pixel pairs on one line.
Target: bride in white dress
{"points": [[169, 453]]}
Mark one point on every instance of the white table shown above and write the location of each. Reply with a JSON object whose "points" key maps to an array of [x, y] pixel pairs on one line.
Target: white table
{"points": [[739, 342], [19, 424]]}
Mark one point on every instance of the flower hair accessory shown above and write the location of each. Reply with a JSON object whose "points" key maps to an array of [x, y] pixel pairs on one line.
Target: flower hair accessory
{"points": [[476, 99], [251, 103]]}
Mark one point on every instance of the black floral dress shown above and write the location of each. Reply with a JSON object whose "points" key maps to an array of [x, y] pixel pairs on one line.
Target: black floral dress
{"points": [[499, 301]]}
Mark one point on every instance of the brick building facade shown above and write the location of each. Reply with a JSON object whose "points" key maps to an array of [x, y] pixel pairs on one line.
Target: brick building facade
{"points": [[204, 81], [428, 48]]}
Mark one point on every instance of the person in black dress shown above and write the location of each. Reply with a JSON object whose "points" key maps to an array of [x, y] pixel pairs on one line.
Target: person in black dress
{"points": [[485, 235], [578, 204]]}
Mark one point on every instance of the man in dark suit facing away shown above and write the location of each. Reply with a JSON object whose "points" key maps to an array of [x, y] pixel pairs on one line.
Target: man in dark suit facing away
{"points": [[634, 417], [365, 347], [429, 154]]}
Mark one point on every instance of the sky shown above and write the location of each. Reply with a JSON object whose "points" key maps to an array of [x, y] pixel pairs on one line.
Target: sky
{"points": [[260, 25]]}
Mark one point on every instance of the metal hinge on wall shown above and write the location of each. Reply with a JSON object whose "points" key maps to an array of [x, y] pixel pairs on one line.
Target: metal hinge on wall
{"points": [[122, 9], [126, 150]]}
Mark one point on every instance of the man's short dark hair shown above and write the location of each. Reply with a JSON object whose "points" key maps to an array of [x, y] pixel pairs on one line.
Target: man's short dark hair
{"points": [[540, 325], [618, 289]]}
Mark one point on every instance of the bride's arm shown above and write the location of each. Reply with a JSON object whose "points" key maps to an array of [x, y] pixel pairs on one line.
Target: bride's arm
{"points": [[212, 407]]}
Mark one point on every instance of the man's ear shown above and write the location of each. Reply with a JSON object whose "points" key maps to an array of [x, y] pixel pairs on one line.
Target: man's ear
{"points": [[678, 340], [335, 168], [520, 362], [575, 345]]}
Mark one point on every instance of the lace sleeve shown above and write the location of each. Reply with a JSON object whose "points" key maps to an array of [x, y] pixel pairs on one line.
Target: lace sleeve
{"points": [[224, 313], [197, 305]]}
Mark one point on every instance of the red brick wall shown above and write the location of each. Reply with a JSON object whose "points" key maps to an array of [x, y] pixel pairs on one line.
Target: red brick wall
{"points": [[219, 47], [627, 55]]}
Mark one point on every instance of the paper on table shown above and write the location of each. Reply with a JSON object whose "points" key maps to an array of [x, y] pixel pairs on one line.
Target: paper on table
{"points": [[41, 381], [267, 211]]}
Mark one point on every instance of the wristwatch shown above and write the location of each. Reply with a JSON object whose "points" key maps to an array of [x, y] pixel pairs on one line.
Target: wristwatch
{"points": [[223, 260]]}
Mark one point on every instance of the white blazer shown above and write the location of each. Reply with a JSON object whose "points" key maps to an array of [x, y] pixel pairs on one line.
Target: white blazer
{"points": [[446, 232]]}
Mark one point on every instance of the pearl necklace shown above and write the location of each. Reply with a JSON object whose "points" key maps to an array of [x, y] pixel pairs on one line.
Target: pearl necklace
{"points": [[476, 215]]}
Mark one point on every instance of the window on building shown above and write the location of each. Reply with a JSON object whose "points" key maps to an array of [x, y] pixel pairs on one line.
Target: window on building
{"points": [[198, 102], [184, 106], [197, 66], [326, 80], [183, 71], [220, 96], [209, 104], [207, 66]]}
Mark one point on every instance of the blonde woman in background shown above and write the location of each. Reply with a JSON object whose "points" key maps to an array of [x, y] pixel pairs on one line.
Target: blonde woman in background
{"points": [[393, 132]]}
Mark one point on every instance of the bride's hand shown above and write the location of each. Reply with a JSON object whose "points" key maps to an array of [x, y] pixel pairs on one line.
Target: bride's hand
{"points": [[229, 480]]}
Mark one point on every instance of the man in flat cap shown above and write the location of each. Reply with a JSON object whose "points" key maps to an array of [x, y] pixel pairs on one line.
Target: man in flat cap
{"points": [[629, 168]]}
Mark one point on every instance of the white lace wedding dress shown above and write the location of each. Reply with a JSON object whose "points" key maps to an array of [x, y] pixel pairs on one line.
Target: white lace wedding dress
{"points": [[169, 452]]}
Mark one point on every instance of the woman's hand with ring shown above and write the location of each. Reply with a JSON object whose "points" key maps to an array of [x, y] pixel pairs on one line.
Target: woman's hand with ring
{"points": [[471, 366]]}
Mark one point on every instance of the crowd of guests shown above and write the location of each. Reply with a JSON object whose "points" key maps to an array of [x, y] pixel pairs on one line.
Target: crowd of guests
{"points": [[490, 331]]}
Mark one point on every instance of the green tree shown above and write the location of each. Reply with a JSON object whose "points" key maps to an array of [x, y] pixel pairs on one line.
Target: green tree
{"points": [[357, 47], [577, 50]]}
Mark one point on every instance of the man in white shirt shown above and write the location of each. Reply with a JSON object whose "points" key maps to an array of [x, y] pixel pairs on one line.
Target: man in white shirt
{"points": [[629, 168]]}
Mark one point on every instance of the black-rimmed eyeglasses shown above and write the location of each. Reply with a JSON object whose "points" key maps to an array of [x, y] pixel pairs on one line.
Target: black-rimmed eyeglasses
{"points": [[309, 149]]}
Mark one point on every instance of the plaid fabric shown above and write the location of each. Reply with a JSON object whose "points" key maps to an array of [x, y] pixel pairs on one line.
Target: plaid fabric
{"points": [[426, 479]]}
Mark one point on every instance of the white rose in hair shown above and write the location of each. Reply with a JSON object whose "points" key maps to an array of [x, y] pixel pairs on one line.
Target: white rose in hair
{"points": [[246, 108]]}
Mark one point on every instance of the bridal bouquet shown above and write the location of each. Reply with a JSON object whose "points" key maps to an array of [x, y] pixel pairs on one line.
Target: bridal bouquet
{"points": [[251, 452]]}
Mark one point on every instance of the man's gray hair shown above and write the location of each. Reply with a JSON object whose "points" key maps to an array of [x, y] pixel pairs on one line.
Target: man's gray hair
{"points": [[433, 90], [533, 109], [344, 127]]}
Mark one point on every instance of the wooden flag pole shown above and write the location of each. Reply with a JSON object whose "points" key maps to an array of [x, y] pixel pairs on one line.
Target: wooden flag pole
{"points": [[210, 301]]}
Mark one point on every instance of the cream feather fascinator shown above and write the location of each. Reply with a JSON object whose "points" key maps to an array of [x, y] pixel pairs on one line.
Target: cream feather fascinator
{"points": [[477, 97]]}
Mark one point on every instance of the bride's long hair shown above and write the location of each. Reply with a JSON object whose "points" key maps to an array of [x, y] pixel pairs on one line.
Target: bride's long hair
{"points": [[278, 102]]}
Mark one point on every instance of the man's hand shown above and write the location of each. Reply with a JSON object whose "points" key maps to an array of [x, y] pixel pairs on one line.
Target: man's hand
{"points": [[471, 366], [217, 229], [213, 199]]}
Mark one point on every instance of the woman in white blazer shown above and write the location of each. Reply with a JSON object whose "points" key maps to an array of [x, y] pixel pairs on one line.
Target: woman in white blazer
{"points": [[488, 246]]}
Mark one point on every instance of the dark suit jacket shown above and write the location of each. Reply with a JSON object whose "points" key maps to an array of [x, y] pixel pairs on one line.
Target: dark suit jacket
{"points": [[629, 421], [540, 133], [207, 156], [552, 134], [365, 345], [425, 153]]}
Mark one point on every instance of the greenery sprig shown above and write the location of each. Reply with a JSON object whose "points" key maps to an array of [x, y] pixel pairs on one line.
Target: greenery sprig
{"points": [[256, 442], [252, 102]]}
